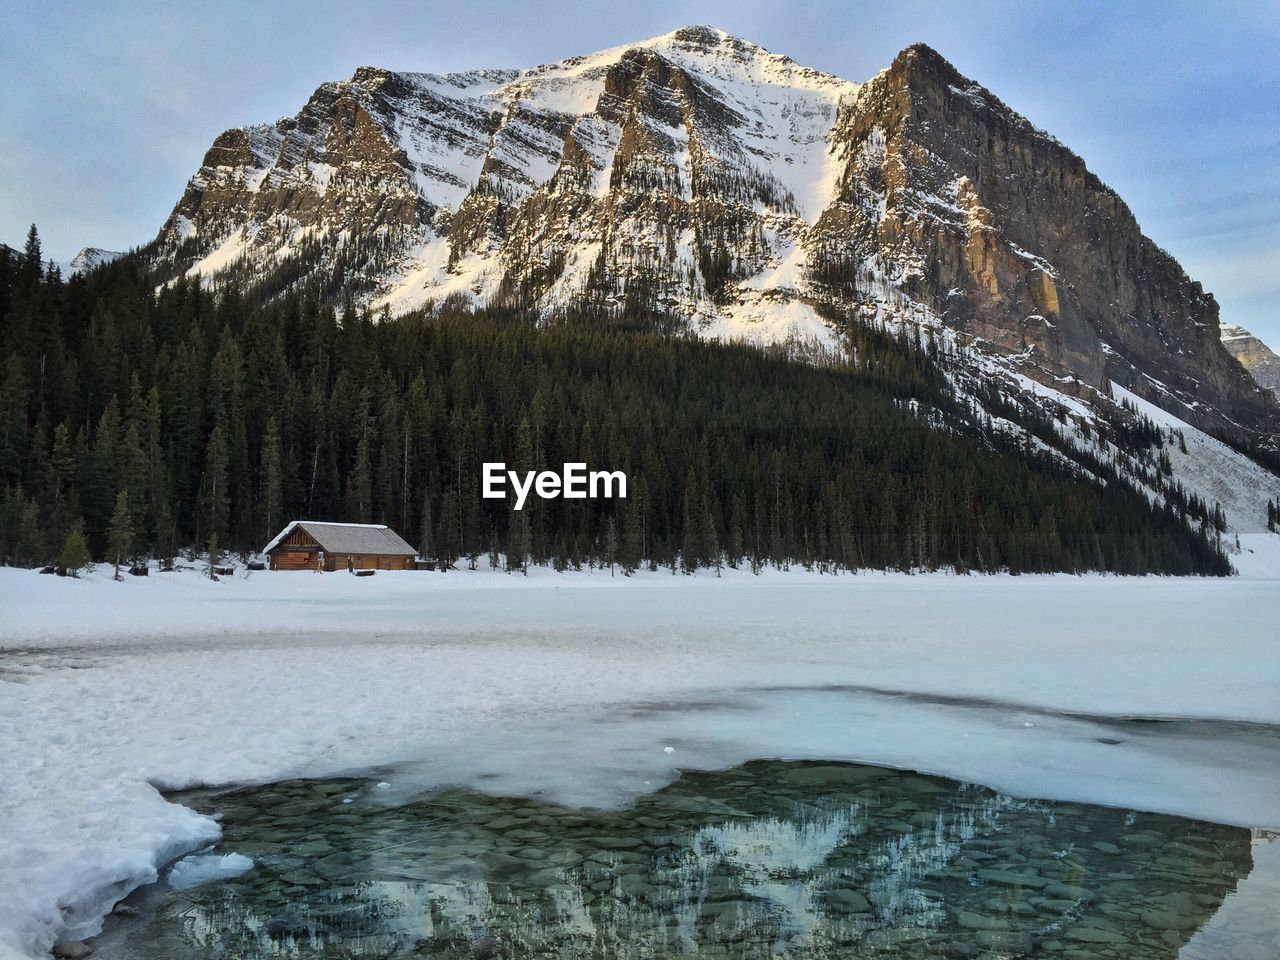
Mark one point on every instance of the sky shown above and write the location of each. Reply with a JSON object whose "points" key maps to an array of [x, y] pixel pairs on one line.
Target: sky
{"points": [[107, 108]]}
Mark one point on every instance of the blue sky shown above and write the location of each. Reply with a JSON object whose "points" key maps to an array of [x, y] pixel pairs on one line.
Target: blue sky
{"points": [[107, 108]]}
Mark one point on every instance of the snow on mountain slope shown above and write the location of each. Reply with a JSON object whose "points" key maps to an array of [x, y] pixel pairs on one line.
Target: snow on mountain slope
{"points": [[1083, 423], [731, 188], [91, 257], [751, 113], [1220, 475], [701, 114], [750, 198], [1215, 471]]}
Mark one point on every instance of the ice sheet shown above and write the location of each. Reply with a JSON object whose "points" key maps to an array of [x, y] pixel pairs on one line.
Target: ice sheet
{"points": [[575, 685], [205, 867]]}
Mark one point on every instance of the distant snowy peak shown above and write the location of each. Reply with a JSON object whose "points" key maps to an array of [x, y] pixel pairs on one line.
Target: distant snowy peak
{"points": [[90, 258], [732, 187], [1255, 356]]}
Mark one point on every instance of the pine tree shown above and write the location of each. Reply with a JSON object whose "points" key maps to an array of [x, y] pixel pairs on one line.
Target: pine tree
{"points": [[133, 472], [63, 495], [100, 478], [272, 473], [21, 541], [13, 420], [157, 485], [631, 549], [735, 544], [120, 534], [523, 542], [425, 534], [215, 496], [32, 263], [518, 542], [75, 552], [390, 470], [611, 543], [448, 534], [359, 499], [165, 542], [821, 462], [692, 527], [710, 536], [214, 551]]}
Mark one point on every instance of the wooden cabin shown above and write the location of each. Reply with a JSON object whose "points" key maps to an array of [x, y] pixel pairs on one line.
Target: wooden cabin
{"points": [[312, 545]]}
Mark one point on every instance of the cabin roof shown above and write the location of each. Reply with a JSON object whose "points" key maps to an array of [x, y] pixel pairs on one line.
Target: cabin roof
{"points": [[370, 539]]}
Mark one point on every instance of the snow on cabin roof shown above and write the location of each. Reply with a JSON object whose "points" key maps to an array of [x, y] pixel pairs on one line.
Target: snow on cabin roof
{"points": [[373, 539]]}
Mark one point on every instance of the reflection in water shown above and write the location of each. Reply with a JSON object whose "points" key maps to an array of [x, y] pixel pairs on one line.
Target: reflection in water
{"points": [[768, 859]]}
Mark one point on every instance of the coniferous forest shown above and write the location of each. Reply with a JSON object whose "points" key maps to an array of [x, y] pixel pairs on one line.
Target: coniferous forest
{"points": [[153, 424]]}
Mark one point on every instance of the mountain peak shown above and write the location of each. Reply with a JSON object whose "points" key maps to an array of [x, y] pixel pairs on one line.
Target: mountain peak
{"points": [[920, 59], [920, 52], [701, 34], [691, 47], [1255, 356], [90, 258], [747, 190]]}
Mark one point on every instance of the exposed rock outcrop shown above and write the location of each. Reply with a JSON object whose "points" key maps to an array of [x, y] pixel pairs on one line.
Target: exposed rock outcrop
{"points": [[1254, 355]]}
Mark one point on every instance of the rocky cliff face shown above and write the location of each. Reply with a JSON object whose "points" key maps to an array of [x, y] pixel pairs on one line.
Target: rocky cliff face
{"points": [[1003, 234], [739, 191], [1254, 355]]}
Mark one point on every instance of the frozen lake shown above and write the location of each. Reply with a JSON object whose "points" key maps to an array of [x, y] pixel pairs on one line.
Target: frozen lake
{"points": [[1155, 695]]}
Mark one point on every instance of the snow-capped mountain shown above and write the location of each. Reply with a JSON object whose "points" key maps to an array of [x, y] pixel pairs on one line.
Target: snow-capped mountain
{"points": [[90, 258], [1254, 355], [734, 188]]}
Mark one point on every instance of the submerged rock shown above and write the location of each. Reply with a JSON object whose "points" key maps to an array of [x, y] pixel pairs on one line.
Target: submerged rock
{"points": [[280, 928], [465, 875]]}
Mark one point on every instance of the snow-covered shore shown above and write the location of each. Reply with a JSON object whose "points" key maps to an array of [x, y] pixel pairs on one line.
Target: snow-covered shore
{"points": [[573, 685]]}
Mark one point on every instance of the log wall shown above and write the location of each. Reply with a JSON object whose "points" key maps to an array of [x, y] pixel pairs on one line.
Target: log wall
{"points": [[282, 558]]}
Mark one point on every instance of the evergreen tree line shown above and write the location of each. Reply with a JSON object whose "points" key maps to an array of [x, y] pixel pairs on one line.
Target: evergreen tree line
{"points": [[140, 423]]}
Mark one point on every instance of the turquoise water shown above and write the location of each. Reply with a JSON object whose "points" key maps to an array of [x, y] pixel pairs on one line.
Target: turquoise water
{"points": [[768, 859]]}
